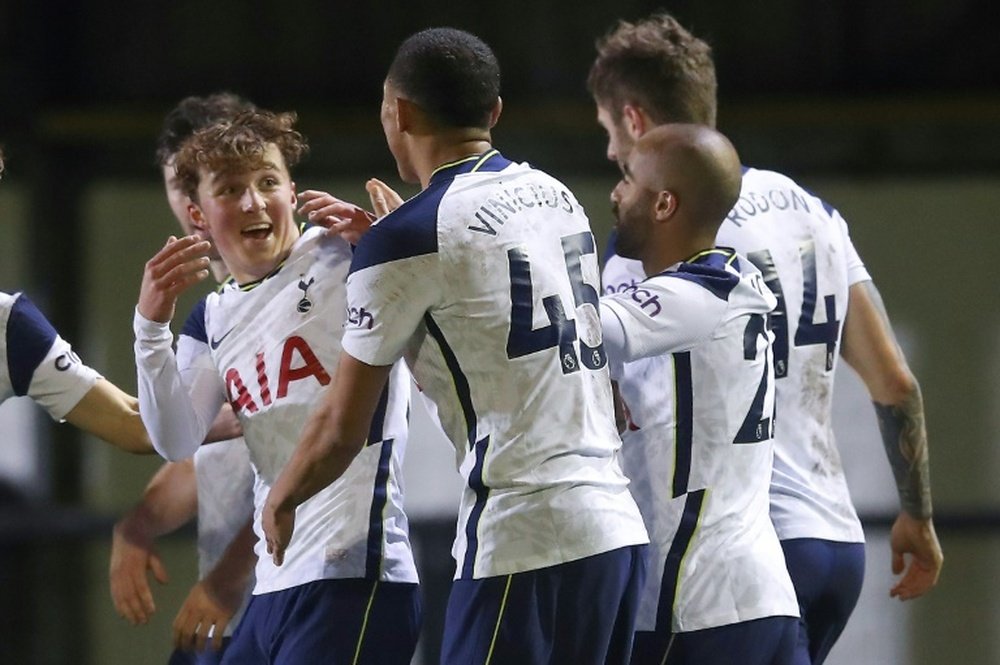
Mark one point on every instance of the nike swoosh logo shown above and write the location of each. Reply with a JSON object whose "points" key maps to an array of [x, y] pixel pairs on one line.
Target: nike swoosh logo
{"points": [[214, 343]]}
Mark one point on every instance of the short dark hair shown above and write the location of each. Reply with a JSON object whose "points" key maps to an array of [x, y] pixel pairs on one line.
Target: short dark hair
{"points": [[658, 65], [449, 73], [191, 114], [237, 143]]}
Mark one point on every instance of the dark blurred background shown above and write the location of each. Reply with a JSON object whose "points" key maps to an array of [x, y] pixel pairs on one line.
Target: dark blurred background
{"points": [[890, 109]]}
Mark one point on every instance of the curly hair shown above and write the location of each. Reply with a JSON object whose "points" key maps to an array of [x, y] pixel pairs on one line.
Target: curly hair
{"points": [[658, 65], [238, 145]]}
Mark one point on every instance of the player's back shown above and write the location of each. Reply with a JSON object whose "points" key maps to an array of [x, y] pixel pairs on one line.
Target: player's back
{"points": [[802, 247], [510, 351]]}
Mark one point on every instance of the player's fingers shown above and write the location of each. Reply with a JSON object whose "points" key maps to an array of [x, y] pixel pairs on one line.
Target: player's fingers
{"points": [[158, 569], [220, 630], [897, 563], [183, 628], [201, 633], [314, 203], [176, 251]]}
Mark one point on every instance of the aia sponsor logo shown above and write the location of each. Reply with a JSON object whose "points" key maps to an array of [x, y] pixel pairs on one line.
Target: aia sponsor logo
{"points": [[298, 363]]}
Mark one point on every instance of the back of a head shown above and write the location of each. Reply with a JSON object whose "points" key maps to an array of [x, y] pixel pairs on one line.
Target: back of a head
{"points": [[657, 65], [238, 144], [700, 165], [194, 113], [452, 75]]}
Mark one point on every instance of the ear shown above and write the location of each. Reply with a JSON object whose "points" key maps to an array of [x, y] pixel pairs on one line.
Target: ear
{"points": [[406, 114], [197, 217], [495, 113], [295, 195], [635, 120], [665, 206]]}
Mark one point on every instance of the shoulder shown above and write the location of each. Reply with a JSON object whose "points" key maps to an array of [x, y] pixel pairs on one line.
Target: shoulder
{"points": [[194, 325], [781, 191], [408, 231], [717, 271], [27, 327]]}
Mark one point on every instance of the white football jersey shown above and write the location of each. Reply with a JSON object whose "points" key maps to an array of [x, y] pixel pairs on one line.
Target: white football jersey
{"points": [[37, 362], [270, 348], [225, 503], [802, 247], [487, 283], [690, 349]]}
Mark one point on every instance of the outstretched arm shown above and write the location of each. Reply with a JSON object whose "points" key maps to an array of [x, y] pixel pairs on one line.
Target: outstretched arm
{"points": [[332, 437], [169, 502], [870, 348], [113, 415]]}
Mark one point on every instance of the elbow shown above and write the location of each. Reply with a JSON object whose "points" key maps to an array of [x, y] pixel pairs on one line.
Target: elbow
{"points": [[897, 387]]}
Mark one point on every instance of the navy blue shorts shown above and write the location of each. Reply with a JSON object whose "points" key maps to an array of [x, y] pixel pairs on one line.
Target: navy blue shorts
{"points": [[767, 641], [581, 612], [827, 576], [333, 622], [207, 657]]}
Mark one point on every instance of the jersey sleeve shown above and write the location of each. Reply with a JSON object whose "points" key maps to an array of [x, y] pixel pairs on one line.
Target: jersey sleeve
{"points": [[179, 394], [395, 279], [856, 270], [42, 365], [663, 314]]}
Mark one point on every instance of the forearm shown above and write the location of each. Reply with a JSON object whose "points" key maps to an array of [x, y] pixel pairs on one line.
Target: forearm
{"points": [[904, 436], [169, 502], [334, 433], [107, 412], [176, 428], [321, 457], [232, 571]]}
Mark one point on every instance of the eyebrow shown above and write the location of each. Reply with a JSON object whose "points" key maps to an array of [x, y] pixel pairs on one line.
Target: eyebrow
{"points": [[264, 166]]}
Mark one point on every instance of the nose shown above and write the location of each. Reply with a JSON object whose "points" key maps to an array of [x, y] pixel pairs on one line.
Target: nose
{"points": [[251, 200]]}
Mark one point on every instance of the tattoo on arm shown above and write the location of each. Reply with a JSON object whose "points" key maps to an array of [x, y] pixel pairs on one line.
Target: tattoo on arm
{"points": [[905, 440]]}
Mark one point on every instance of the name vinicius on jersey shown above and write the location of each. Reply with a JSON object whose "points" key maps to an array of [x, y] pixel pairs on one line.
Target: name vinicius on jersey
{"points": [[498, 209]]}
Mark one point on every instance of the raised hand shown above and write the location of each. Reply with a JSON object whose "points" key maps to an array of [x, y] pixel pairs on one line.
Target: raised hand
{"points": [[182, 263]]}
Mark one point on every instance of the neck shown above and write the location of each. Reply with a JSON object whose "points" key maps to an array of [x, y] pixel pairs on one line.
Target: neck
{"points": [[661, 258], [442, 150], [219, 270]]}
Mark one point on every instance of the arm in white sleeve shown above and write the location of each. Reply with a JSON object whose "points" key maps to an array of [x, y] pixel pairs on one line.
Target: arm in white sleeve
{"points": [[178, 404]]}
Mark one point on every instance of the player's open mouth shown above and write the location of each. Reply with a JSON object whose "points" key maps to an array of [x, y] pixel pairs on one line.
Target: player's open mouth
{"points": [[257, 231]]}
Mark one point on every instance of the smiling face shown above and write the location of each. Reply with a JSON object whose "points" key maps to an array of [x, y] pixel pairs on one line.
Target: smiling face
{"points": [[249, 214]]}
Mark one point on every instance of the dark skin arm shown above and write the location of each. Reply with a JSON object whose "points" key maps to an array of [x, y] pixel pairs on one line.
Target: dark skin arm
{"points": [[333, 436]]}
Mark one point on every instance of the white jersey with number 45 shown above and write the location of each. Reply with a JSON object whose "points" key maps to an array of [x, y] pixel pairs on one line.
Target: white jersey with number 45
{"points": [[803, 248], [487, 282]]}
